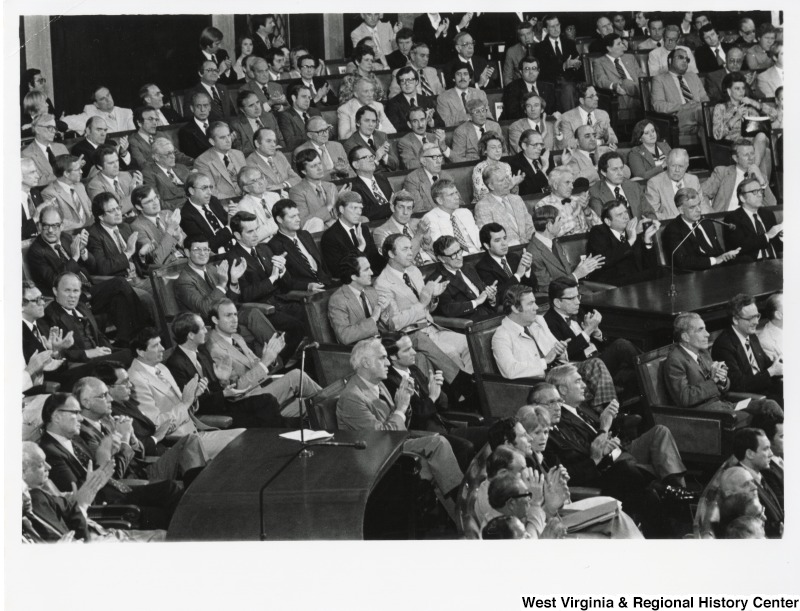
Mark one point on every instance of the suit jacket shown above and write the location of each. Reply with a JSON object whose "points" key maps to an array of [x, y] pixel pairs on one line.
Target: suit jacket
{"points": [[293, 127], [705, 58], [518, 222], [124, 465], [29, 229], [194, 293], [346, 313], [143, 427], [225, 99], [547, 129], [716, 92], [225, 183], [694, 253], [194, 223], [62, 198], [391, 226], [220, 56], [689, 382], [490, 271], [142, 152], [245, 365], [424, 411], [642, 163], [569, 445], [768, 82], [244, 134], [383, 32], [729, 349], [562, 331], [666, 97], [42, 163], [397, 109], [310, 204], [171, 195], [379, 138], [108, 260], [86, 333], [572, 120], [282, 173], [599, 193], [450, 106], [432, 79], [456, 300], [465, 140], [661, 194], [625, 264], [329, 100], [45, 264], [60, 514], [580, 164], [346, 115], [360, 409], [336, 244], [744, 235], [404, 308], [605, 76], [720, 186], [409, 148], [273, 88], [212, 401], [99, 184], [301, 274], [335, 150], [374, 210], [546, 265], [396, 60], [516, 90], [192, 140], [551, 69], [87, 149], [478, 65], [255, 284], [535, 182], [165, 245], [419, 185], [159, 397], [441, 47]]}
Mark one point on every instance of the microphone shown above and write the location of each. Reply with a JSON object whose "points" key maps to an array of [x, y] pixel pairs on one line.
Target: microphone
{"points": [[730, 226], [672, 291], [358, 445]]}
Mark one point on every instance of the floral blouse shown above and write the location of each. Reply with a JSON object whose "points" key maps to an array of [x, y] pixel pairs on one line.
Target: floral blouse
{"points": [[346, 92], [479, 189], [576, 219], [728, 126]]}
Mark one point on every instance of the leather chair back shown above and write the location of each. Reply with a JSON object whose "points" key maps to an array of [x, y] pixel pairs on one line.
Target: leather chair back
{"points": [[319, 325], [163, 281], [322, 407]]}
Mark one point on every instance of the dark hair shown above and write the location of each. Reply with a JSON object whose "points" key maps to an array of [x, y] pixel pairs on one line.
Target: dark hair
{"points": [[185, 323], [240, 217], [403, 34], [271, 54], [99, 202], [738, 303], [582, 87], [361, 111], [559, 285], [389, 242], [144, 337], [746, 439], [100, 154], [280, 207], [513, 296], [295, 88], [605, 213], [541, 386], [729, 80], [138, 113], [51, 404], [706, 29], [771, 305], [192, 239], [242, 96], [306, 57], [360, 52], [768, 423], [403, 71], [602, 163], [610, 39], [63, 163], [502, 489], [389, 341], [62, 275], [442, 243], [500, 458], [499, 527], [139, 193], [105, 371], [543, 216], [502, 431], [209, 36], [349, 267], [191, 181], [740, 189], [485, 233], [303, 158], [638, 130]]}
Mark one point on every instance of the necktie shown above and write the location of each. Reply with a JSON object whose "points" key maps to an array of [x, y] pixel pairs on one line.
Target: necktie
{"points": [[687, 93], [720, 60], [426, 88], [457, 233], [258, 258], [464, 99], [227, 162], [265, 90], [365, 304], [241, 346], [212, 219], [118, 189], [622, 238], [535, 164], [506, 268], [371, 143], [51, 157], [205, 125], [705, 245], [312, 88], [619, 195], [559, 55], [435, 178], [37, 333], [118, 238], [417, 257], [150, 139], [482, 130], [305, 117], [259, 124], [210, 284], [413, 101], [61, 252], [216, 101], [768, 252], [77, 204], [589, 119], [271, 165], [327, 162], [159, 223], [321, 194], [31, 207], [265, 208], [539, 350], [353, 236], [174, 177], [750, 356], [311, 264], [407, 280], [379, 194], [470, 292], [620, 69], [536, 128]]}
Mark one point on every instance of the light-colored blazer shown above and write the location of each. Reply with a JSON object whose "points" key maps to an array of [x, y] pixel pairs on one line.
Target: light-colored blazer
{"points": [[34, 151], [661, 194], [211, 164], [419, 185], [516, 354], [266, 225], [142, 152], [404, 307], [379, 234], [284, 173], [465, 140], [666, 97], [409, 148], [581, 165], [311, 206], [172, 196], [160, 398], [431, 78], [572, 120], [360, 409], [450, 106], [768, 81], [441, 224], [56, 192], [719, 188], [165, 244], [516, 129], [385, 35], [346, 114], [346, 314], [98, 184], [605, 75], [357, 139], [513, 215], [246, 366]]}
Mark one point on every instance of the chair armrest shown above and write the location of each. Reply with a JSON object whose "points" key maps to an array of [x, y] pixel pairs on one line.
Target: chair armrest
{"points": [[496, 377], [112, 523], [726, 418], [296, 295], [98, 279], [127, 513], [663, 116], [455, 324], [469, 418], [597, 287], [735, 397], [578, 493], [219, 422]]}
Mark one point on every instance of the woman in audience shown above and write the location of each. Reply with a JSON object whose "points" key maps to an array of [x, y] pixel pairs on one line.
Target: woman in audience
{"points": [[33, 104], [362, 65], [490, 148], [244, 48], [649, 156], [728, 117], [758, 57], [33, 80], [538, 438], [576, 214]]}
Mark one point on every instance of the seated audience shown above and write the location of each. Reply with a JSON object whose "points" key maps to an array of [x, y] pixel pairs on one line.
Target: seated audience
{"points": [[759, 56], [306, 269], [769, 81], [308, 73], [504, 527], [334, 159], [751, 447], [753, 228], [375, 190], [355, 308], [657, 62], [31, 197], [367, 136], [498, 265], [734, 60], [721, 186], [655, 29], [410, 147], [43, 150], [481, 72], [499, 205], [204, 215], [159, 236], [429, 82], [619, 71], [662, 188], [252, 117], [649, 157], [117, 119], [109, 179], [586, 114], [165, 175], [681, 93], [523, 48], [192, 139], [362, 67], [293, 120], [614, 185], [364, 92], [491, 148], [349, 234], [428, 170], [449, 218], [533, 118], [273, 164], [221, 162], [582, 159], [150, 95], [452, 103], [467, 136], [533, 160], [401, 222], [517, 93], [399, 106], [270, 94], [218, 94], [141, 142], [257, 200]]}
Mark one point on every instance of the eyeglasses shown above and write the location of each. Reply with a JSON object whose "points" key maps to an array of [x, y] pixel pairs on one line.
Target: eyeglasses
{"points": [[467, 44], [404, 81], [753, 318], [52, 226], [203, 188], [455, 255], [319, 132], [367, 157], [531, 69], [201, 251], [434, 157], [760, 191], [50, 128], [480, 110], [39, 300], [252, 182], [211, 70], [535, 144], [565, 298], [77, 412]]}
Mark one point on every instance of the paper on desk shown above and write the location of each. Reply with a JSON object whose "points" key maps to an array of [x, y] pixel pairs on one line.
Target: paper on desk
{"points": [[309, 435], [742, 404]]}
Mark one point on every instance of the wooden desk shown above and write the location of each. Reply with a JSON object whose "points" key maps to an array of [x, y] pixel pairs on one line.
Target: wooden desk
{"points": [[644, 312], [321, 497]]}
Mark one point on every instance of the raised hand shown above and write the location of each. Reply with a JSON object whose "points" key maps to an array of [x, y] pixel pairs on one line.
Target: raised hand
{"points": [[608, 414], [223, 367], [272, 349], [402, 398], [190, 393], [588, 265], [130, 245], [554, 529], [435, 381]]}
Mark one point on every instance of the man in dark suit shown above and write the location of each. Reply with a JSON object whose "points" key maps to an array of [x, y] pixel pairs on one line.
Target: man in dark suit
{"points": [[304, 264], [750, 370], [348, 235], [481, 73], [191, 358], [630, 256], [252, 117], [753, 450], [141, 142], [210, 50], [30, 199], [150, 95], [367, 135], [436, 31], [264, 37], [755, 229], [218, 94], [61, 417], [321, 92], [466, 295], [710, 56], [375, 190], [399, 57], [204, 215], [95, 136], [54, 253], [398, 107], [192, 138], [292, 121], [560, 64], [614, 185], [265, 278], [514, 92], [702, 249], [532, 163], [586, 338], [499, 266]]}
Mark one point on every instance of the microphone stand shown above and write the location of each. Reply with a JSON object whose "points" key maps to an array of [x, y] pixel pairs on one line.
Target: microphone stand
{"points": [[672, 291], [304, 452]]}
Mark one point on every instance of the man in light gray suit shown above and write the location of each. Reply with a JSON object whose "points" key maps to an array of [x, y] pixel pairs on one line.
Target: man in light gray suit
{"points": [[109, 179], [355, 308], [43, 150], [503, 207], [315, 197], [410, 146], [452, 103], [273, 164], [160, 229], [429, 82], [585, 113], [165, 175], [334, 159], [252, 117], [221, 162], [682, 93], [419, 182], [720, 188], [620, 72], [662, 187], [141, 141], [67, 192], [468, 134]]}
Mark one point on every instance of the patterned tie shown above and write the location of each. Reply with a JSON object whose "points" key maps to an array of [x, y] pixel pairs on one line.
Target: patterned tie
{"points": [[619, 195], [687, 93], [84, 459], [38, 334], [216, 101], [409, 284], [61, 252], [51, 158], [426, 88], [535, 343], [457, 233], [379, 194], [77, 203], [118, 189], [174, 178], [159, 223], [750, 356], [720, 60], [227, 162], [620, 69], [212, 219], [305, 117], [327, 162], [768, 252], [272, 166], [418, 260], [265, 208], [371, 143], [589, 119], [150, 139], [311, 264], [464, 99], [265, 90], [205, 125], [506, 268], [120, 242], [365, 304]]}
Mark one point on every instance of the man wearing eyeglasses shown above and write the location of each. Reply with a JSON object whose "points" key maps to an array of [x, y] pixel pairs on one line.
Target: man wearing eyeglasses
{"points": [[164, 174], [721, 187], [681, 93], [141, 142], [586, 114], [368, 135], [452, 103], [43, 151], [517, 92], [429, 170], [218, 94], [481, 73], [399, 106], [467, 135], [334, 159], [375, 190], [750, 370], [429, 82]]}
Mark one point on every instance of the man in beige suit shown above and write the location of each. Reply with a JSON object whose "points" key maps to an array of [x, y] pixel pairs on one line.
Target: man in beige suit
{"points": [[662, 187], [109, 179], [233, 357], [620, 72], [334, 158], [165, 175], [43, 150], [467, 135], [315, 197], [681, 93], [257, 200], [355, 308], [69, 194], [221, 162], [503, 207], [273, 164]]}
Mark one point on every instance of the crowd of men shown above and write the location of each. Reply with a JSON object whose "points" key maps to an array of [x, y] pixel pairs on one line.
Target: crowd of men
{"points": [[252, 199]]}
